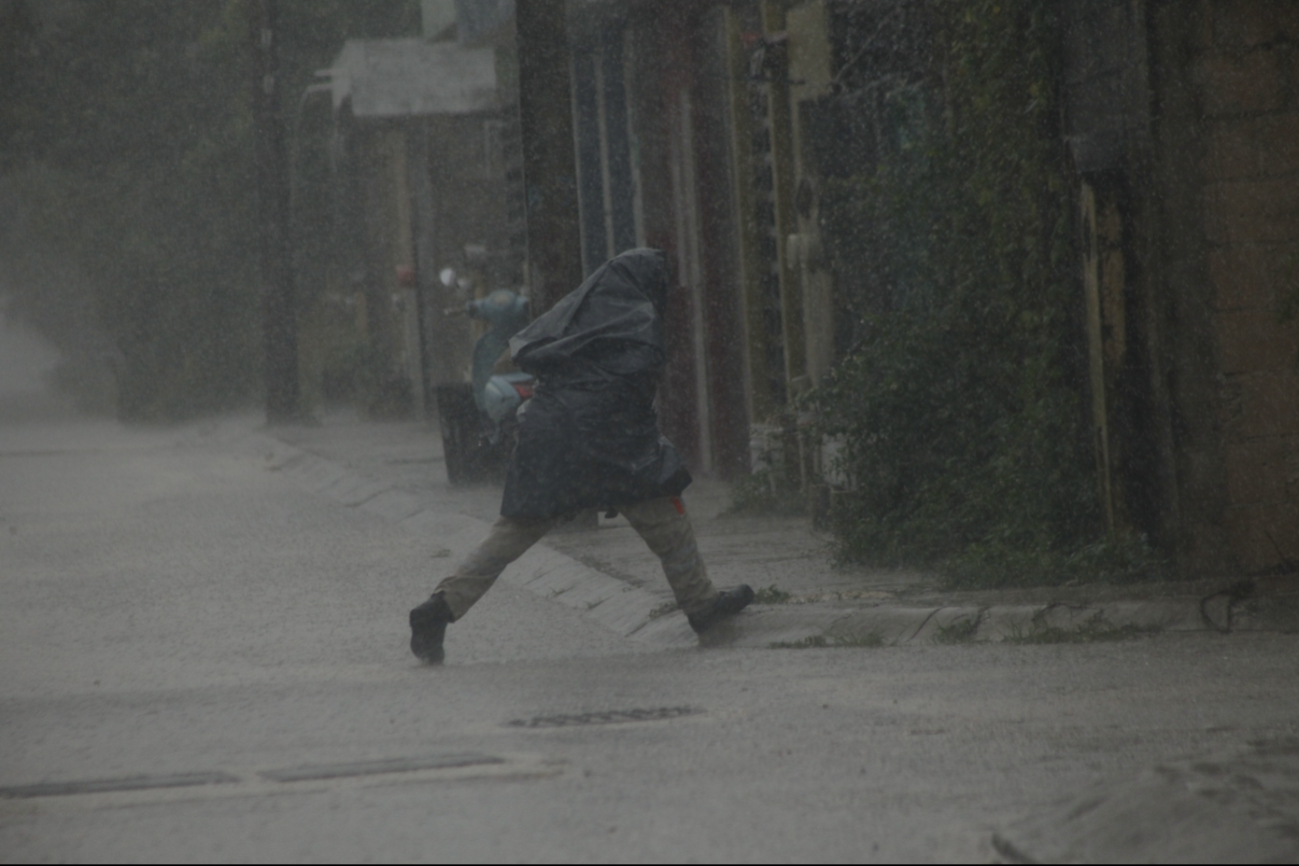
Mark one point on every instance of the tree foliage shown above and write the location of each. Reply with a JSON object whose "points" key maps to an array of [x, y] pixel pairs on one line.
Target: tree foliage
{"points": [[129, 140]]}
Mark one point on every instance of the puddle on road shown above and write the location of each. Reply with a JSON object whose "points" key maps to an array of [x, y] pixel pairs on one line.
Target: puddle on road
{"points": [[112, 786], [433, 767], [375, 768]]}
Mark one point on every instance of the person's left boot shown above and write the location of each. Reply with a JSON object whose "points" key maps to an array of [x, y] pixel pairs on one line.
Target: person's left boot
{"points": [[727, 604], [428, 628]]}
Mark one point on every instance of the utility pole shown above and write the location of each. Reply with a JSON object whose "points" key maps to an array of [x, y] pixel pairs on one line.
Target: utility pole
{"points": [[279, 324], [549, 164], [549, 167]]}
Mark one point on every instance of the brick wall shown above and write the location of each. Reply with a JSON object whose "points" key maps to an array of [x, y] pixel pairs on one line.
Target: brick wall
{"points": [[1246, 72]]}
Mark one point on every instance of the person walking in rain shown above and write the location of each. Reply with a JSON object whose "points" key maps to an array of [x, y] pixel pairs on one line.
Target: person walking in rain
{"points": [[589, 439]]}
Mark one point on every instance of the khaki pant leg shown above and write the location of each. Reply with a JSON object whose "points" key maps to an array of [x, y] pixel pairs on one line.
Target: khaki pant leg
{"points": [[508, 540], [666, 528]]}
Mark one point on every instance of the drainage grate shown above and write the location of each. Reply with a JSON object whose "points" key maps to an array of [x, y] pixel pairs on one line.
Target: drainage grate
{"points": [[608, 717], [442, 761], [108, 786]]}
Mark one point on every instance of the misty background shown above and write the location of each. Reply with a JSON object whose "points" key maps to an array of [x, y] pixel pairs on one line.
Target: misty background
{"points": [[129, 197]]}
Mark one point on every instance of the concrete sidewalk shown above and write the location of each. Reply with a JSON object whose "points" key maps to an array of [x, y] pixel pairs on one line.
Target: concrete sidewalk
{"points": [[396, 471]]}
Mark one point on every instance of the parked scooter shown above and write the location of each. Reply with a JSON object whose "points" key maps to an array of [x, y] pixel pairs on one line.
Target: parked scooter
{"points": [[478, 418]]}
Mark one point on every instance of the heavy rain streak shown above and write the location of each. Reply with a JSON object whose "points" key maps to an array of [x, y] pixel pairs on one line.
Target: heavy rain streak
{"points": [[649, 430]]}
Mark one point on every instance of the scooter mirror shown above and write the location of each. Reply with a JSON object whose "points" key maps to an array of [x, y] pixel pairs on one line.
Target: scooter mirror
{"points": [[447, 276]]}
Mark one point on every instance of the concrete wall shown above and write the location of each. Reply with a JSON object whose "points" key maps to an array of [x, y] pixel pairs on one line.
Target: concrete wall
{"points": [[1246, 69], [1182, 118]]}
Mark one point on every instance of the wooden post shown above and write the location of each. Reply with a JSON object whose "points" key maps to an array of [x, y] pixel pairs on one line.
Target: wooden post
{"points": [[761, 406], [782, 157]]}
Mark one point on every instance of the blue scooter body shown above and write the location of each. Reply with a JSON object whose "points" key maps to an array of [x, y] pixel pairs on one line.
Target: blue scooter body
{"points": [[498, 397]]}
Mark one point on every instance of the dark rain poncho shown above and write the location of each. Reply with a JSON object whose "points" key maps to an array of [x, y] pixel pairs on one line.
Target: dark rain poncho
{"points": [[589, 437]]}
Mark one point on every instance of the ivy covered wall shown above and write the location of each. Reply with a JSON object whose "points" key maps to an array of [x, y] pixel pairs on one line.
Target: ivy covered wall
{"points": [[960, 400]]}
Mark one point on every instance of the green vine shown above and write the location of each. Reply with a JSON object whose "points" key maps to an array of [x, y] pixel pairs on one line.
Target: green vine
{"points": [[960, 408]]}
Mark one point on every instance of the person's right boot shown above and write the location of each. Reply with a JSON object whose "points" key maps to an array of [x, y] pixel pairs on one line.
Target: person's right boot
{"points": [[428, 628], [727, 604]]}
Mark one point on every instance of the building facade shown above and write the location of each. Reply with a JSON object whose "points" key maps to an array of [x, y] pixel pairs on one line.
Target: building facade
{"points": [[709, 129]]}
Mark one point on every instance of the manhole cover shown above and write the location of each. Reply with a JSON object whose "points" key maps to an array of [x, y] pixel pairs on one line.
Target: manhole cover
{"points": [[606, 717]]}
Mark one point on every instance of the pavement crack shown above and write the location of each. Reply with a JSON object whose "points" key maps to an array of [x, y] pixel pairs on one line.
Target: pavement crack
{"points": [[923, 623], [370, 498]]}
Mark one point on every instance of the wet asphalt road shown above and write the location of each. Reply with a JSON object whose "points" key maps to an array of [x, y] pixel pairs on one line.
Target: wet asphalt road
{"points": [[172, 607]]}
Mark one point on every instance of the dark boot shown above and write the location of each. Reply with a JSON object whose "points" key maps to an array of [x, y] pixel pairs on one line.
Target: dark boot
{"points": [[728, 603], [428, 627]]}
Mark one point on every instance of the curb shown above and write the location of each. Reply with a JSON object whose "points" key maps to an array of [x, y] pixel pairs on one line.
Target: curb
{"points": [[1263, 604]]}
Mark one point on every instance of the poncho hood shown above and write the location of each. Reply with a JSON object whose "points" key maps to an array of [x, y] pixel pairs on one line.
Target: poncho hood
{"points": [[613, 319]]}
